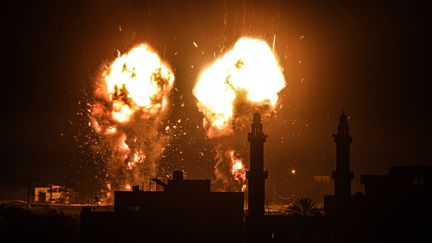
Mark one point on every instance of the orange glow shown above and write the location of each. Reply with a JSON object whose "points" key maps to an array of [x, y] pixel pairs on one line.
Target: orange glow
{"points": [[251, 71], [238, 170], [137, 158], [243, 80], [131, 98], [138, 80], [111, 131]]}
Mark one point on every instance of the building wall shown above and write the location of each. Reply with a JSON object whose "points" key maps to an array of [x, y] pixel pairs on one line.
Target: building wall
{"points": [[163, 216]]}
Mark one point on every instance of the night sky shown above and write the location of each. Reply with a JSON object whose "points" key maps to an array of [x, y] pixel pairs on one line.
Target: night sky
{"points": [[370, 59]]}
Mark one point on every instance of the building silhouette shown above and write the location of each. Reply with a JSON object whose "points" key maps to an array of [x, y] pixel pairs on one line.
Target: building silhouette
{"points": [[256, 175], [186, 211], [256, 181], [397, 205], [343, 211], [273, 228], [342, 175], [394, 207], [53, 194]]}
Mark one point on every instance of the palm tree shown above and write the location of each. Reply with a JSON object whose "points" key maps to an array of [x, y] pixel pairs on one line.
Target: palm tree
{"points": [[302, 206]]}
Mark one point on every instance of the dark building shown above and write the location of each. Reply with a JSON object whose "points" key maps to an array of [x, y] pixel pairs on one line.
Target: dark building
{"points": [[256, 182], [342, 175], [401, 181], [398, 205], [295, 228], [256, 175], [273, 228], [394, 208], [186, 211], [344, 212], [341, 200]]}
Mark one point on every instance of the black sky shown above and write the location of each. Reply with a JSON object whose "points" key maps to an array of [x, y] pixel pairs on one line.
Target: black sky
{"points": [[371, 59]]}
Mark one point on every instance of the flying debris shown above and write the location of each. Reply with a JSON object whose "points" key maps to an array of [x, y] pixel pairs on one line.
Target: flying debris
{"points": [[131, 100], [245, 79]]}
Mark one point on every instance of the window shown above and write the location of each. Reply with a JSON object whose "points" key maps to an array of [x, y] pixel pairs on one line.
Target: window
{"points": [[418, 180], [133, 208]]}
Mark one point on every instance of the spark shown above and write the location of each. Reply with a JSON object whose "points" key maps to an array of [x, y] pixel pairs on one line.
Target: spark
{"points": [[244, 79], [131, 97]]}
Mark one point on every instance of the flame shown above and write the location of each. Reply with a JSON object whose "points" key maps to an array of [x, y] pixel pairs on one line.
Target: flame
{"points": [[238, 170], [245, 79], [137, 158], [249, 70], [137, 81], [131, 99]]}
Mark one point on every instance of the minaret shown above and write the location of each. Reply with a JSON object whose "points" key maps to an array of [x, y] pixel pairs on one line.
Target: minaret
{"points": [[256, 175], [342, 175]]}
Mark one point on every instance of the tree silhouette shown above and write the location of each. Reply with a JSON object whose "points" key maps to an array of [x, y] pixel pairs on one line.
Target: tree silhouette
{"points": [[302, 206]]}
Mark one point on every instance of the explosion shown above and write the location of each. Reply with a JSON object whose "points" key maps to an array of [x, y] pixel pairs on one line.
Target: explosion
{"points": [[131, 100], [238, 170], [245, 79]]}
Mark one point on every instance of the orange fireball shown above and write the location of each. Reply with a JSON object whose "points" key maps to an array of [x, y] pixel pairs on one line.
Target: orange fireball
{"points": [[138, 80], [250, 69], [131, 100], [245, 78]]}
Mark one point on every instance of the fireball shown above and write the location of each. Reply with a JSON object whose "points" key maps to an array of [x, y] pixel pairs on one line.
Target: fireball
{"points": [[249, 70], [136, 81], [244, 79], [131, 99]]}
